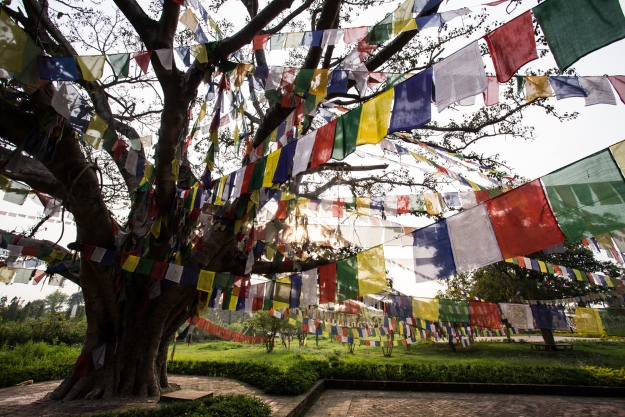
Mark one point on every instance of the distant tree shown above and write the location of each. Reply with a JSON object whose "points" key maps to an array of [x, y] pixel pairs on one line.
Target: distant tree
{"points": [[264, 324], [55, 301], [77, 300]]}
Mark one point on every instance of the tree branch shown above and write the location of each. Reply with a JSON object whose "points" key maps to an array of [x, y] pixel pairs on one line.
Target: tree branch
{"points": [[290, 17]]}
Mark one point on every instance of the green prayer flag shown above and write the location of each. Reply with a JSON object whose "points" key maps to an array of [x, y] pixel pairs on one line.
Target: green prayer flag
{"points": [[120, 64], [346, 134], [381, 32], [223, 281], [109, 140], [256, 181], [273, 95], [347, 279], [575, 28], [520, 82], [303, 80], [393, 79], [145, 266], [30, 65], [454, 311], [588, 196]]}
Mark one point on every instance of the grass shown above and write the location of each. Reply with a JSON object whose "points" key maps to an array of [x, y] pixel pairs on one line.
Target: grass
{"points": [[589, 353], [35, 360]]}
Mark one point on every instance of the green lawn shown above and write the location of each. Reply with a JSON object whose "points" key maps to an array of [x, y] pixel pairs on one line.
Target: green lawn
{"points": [[601, 354]]}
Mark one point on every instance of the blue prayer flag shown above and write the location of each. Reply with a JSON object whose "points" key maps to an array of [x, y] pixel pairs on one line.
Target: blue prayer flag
{"points": [[412, 102], [566, 87], [338, 81], [58, 68], [296, 290], [284, 163], [312, 38], [200, 36], [433, 256], [184, 52], [432, 21]]}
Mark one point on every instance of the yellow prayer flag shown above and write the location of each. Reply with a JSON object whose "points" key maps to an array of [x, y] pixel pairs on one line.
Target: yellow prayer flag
{"points": [[202, 114], [220, 190], [92, 67], [618, 151], [175, 169], [270, 168], [425, 309], [156, 228], [402, 17], [278, 305], [319, 82], [375, 119], [371, 271], [95, 131], [205, 281], [363, 205], [233, 302], [199, 52], [5, 183], [542, 266], [605, 241], [587, 320], [149, 170], [131, 263], [536, 87], [12, 43], [239, 73], [578, 275]]}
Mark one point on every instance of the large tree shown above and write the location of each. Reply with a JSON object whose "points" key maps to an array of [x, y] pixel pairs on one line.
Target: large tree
{"points": [[95, 188]]}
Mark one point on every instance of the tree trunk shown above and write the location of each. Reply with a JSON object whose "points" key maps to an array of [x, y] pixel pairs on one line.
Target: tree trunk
{"points": [[137, 342], [547, 335]]}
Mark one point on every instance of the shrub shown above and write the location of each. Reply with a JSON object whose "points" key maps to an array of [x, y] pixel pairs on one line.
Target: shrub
{"points": [[220, 406], [292, 381], [53, 329]]}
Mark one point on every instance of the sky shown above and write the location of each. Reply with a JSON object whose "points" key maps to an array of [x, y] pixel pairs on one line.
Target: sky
{"points": [[555, 145]]}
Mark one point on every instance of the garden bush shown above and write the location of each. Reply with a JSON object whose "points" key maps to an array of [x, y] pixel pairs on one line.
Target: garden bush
{"points": [[220, 406], [52, 329], [36, 361]]}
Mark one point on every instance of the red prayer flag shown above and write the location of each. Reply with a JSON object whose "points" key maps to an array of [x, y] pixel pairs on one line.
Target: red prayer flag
{"points": [[260, 41], [246, 178], [484, 314], [283, 205], [403, 204], [158, 270], [180, 2], [143, 60], [324, 144], [337, 208], [81, 366], [26, 251], [512, 45], [481, 196], [327, 283], [523, 221]]}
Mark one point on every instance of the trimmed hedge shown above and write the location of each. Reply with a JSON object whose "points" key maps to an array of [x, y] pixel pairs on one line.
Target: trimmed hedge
{"points": [[38, 373], [299, 377], [220, 406]]}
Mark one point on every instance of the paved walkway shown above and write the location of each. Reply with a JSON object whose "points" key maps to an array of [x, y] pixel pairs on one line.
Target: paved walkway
{"points": [[28, 401], [337, 403]]}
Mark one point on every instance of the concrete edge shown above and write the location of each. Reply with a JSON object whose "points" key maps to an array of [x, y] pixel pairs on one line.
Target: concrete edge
{"points": [[570, 390], [309, 397]]}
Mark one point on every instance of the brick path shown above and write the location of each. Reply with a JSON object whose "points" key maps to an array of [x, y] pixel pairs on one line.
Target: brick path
{"points": [[28, 401], [347, 403]]}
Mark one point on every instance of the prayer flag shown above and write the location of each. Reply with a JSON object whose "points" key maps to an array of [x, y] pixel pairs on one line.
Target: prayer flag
{"points": [[591, 188], [184, 53], [598, 90], [283, 169], [63, 100], [166, 57], [260, 41], [327, 283], [453, 311], [143, 60], [473, 242], [381, 32], [324, 143], [491, 95], [566, 87], [189, 20], [319, 82], [371, 271], [312, 38], [587, 320], [433, 256], [575, 28], [618, 82], [484, 314], [302, 152], [58, 68], [618, 152], [95, 131], [346, 132], [303, 80], [277, 41], [425, 5], [523, 221], [536, 87], [425, 309], [338, 81], [120, 64], [432, 21], [550, 317], [402, 18], [459, 76], [174, 272], [294, 39], [199, 52], [309, 287], [331, 37], [374, 119], [512, 45], [347, 279], [270, 168], [12, 44], [412, 103], [519, 316], [92, 67]]}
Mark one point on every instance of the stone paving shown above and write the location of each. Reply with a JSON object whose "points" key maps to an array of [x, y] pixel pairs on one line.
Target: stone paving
{"points": [[29, 401], [350, 403]]}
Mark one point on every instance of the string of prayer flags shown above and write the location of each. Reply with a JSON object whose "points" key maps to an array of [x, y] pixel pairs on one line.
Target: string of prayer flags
{"points": [[575, 28]]}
